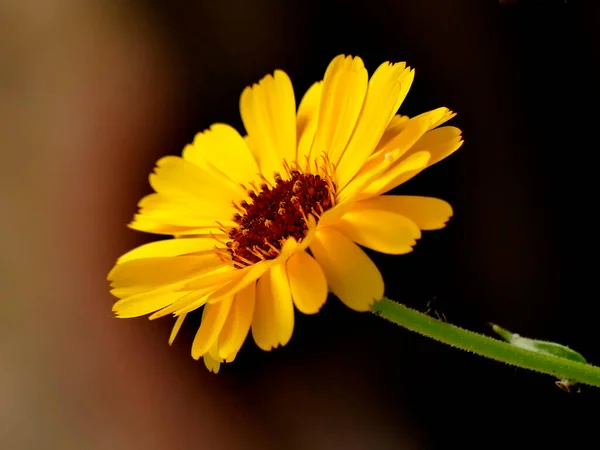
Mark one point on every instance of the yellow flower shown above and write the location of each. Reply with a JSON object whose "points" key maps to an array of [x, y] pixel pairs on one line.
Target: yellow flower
{"points": [[273, 220]]}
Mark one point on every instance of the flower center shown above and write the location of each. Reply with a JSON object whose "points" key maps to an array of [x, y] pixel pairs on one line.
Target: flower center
{"points": [[276, 213]]}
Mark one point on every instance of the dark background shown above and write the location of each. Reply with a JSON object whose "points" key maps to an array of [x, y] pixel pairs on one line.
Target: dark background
{"points": [[94, 93]]}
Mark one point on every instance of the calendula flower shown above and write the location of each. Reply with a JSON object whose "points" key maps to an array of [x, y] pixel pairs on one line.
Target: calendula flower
{"points": [[262, 224]]}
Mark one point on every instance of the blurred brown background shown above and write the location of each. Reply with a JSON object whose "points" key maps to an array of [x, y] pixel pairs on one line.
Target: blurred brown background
{"points": [[93, 92]]}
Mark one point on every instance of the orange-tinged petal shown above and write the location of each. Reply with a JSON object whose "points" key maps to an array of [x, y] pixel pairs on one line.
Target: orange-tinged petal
{"points": [[379, 229], [213, 319], [426, 212], [170, 247], [344, 89], [351, 274], [238, 323], [222, 148], [273, 320], [387, 88], [268, 111], [307, 283]]}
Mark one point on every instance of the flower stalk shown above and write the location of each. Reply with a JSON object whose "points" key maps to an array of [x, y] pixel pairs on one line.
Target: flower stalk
{"points": [[559, 367]]}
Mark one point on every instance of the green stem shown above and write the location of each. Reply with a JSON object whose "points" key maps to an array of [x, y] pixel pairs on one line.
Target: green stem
{"points": [[561, 368]]}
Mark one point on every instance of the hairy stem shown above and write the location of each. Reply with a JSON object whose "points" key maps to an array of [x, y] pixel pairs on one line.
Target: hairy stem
{"points": [[561, 368]]}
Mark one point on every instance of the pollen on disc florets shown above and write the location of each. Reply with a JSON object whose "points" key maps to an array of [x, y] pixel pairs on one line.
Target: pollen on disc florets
{"points": [[276, 213]]}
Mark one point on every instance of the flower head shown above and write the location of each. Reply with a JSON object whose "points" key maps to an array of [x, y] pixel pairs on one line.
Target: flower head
{"points": [[273, 220]]}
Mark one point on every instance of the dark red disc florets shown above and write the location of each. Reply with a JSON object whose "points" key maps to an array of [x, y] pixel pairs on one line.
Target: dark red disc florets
{"points": [[277, 213]]}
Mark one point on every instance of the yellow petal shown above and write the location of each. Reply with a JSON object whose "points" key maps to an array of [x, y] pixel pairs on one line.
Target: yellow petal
{"points": [[387, 88], [263, 322], [401, 171], [176, 176], [329, 217], [237, 326], [128, 291], [284, 306], [344, 90], [213, 351], [170, 247], [426, 212], [166, 209], [412, 131], [137, 292], [243, 277], [215, 278], [158, 226], [223, 149], [197, 291], [211, 364], [306, 123], [176, 328], [273, 320], [306, 159], [396, 125], [253, 149], [437, 116], [380, 166], [353, 277], [268, 111], [307, 283], [440, 143], [433, 119], [187, 303], [127, 308], [161, 271], [380, 229], [354, 189], [213, 319], [308, 110], [192, 302]]}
